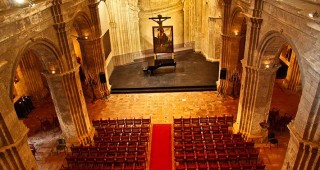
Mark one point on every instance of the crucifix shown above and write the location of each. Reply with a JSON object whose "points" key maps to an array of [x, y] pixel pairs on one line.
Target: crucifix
{"points": [[159, 20]]}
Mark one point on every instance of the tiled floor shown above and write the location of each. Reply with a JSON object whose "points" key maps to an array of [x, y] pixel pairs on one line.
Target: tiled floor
{"points": [[161, 107]]}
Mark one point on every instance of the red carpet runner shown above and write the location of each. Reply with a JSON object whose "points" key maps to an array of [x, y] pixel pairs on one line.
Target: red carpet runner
{"points": [[161, 156]]}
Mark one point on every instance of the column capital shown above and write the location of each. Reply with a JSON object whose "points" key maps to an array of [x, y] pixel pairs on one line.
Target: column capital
{"points": [[227, 2]]}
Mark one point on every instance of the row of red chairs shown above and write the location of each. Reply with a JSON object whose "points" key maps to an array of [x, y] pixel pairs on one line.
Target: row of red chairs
{"points": [[183, 137], [225, 119], [121, 122], [135, 166], [110, 149], [211, 147], [82, 161], [221, 166], [133, 138], [212, 157], [121, 130], [222, 128]]}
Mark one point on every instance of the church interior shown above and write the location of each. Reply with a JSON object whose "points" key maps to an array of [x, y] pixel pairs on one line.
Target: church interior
{"points": [[159, 84]]}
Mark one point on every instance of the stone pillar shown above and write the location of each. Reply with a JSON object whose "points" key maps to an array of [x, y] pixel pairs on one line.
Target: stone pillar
{"points": [[303, 150], [69, 102], [293, 78], [30, 70], [93, 60], [223, 84], [255, 99], [198, 25], [189, 15], [97, 47], [231, 60], [14, 149]]}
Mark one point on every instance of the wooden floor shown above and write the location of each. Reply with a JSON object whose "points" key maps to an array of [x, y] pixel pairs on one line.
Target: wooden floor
{"points": [[161, 108]]}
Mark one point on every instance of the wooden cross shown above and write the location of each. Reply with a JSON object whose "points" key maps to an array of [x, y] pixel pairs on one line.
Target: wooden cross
{"points": [[159, 20]]}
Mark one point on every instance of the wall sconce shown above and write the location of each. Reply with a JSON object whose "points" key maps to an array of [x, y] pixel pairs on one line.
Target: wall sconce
{"points": [[24, 3], [314, 14], [236, 32], [52, 68], [268, 63], [80, 37]]}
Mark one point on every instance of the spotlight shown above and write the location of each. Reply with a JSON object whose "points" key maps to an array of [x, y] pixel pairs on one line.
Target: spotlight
{"points": [[314, 14]]}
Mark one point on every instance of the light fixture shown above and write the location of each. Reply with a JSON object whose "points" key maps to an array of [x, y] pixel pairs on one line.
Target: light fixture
{"points": [[236, 32], [24, 3], [80, 37], [314, 14]]}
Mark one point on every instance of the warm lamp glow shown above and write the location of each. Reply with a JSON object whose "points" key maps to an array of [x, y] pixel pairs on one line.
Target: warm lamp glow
{"points": [[20, 1], [236, 32]]}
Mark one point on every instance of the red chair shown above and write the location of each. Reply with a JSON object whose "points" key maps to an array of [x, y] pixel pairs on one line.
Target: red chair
{"points": [[196, 129], [146, 121], [221, 120], [136, 129], [178, 148], [212, 157], [224, 166], [203, 166], [246, 166], [180, 158], [145, 129], [212, 120], [235, 166], [215, 128], [237, 137], [224, 128], [214, 166], [195, 120], [207, 137], [192, 166], [137, 121], [112, 123], [181, 166], [177, 121], [205, 129], [129, 122], [104, 122], [100, 160], [120, 122], [204, 120], [229, 120], [186, 121]]}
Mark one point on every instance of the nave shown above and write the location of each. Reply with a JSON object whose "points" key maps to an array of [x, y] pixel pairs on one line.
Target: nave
{"points": [[161, 108]]}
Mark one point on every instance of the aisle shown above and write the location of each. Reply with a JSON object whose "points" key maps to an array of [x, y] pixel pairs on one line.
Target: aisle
{"points": [[161, 157]]}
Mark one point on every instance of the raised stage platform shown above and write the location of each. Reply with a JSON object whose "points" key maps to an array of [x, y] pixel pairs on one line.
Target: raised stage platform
{"points": [[191, 73]]}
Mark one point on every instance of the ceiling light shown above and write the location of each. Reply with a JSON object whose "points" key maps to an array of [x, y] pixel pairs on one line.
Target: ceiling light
{"points": [[314, 14]]}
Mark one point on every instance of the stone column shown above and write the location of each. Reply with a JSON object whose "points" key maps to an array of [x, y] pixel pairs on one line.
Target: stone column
{"points": [[293, 78], [255, 99], [69, 102], [303, 150], [223, 84], [30, 70], [231, 60], [97, 48], [14, 149]]}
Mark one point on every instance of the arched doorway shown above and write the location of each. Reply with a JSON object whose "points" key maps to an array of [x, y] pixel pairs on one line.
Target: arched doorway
{"points": [[279, 59]]}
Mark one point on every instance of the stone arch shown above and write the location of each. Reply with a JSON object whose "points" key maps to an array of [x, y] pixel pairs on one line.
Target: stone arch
{"points": [[270, 47], [83, 24], [238, 21], [46, 52]]}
